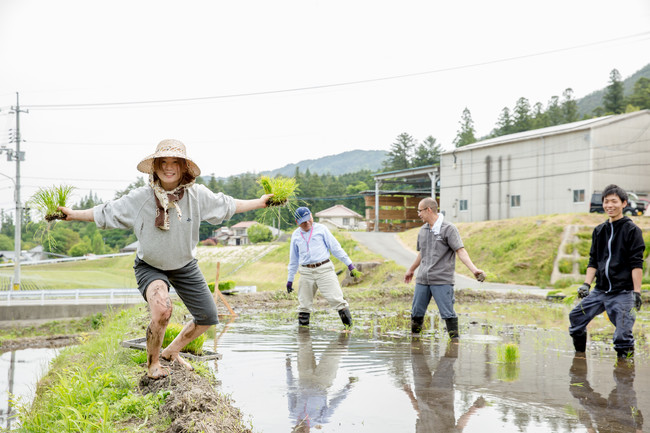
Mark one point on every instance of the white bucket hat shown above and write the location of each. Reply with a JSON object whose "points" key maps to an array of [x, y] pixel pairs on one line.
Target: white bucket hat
{"points": [[168, 149]]}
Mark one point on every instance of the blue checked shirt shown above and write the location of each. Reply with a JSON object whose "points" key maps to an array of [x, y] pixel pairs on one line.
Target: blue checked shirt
{"points": [[305, 250]]}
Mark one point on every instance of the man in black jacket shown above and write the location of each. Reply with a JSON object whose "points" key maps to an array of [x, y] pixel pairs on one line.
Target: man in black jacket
{"points": [[616, 263]]}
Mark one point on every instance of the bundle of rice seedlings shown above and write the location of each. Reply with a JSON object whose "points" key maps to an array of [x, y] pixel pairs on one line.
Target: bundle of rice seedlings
{"points": [[195, 346], [223, 285], [508, 353], [46, 201], [282, 188]]}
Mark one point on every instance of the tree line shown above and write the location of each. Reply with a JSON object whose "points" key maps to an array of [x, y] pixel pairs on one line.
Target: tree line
{"points": [[75, 238]]}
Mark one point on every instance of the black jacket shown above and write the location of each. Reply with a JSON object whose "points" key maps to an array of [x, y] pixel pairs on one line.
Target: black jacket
{"points": [[614, 263]]}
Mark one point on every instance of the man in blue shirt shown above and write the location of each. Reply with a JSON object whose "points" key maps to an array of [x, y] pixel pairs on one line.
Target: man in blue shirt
{"points": [[309, 254]]}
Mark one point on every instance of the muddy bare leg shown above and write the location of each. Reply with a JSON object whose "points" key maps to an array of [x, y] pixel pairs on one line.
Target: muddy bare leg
{"points": [[161, 311], [190, 331]]}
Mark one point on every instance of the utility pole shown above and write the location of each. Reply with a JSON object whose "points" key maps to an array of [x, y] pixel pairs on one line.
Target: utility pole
{"points": [[18, 156]]}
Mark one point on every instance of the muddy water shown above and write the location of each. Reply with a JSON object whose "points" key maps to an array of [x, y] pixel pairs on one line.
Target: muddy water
{"points": [[20, 370], [283, 377]]}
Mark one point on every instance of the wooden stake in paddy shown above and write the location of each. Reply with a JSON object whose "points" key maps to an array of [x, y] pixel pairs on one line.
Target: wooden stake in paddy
{"points": [[217, 291]]}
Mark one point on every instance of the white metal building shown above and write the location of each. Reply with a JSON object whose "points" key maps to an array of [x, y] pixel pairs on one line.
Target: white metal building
{"points": [[546, 171]]}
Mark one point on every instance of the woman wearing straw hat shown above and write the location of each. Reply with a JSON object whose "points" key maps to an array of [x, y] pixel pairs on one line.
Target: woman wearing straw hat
{"points": [[165, 216]]}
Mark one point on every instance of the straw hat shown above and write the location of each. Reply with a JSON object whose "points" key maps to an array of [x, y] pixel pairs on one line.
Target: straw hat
{"points": [[168, 149]]}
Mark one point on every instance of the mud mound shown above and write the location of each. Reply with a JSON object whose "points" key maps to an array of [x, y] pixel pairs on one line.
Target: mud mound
{"points": [[193, 405]]}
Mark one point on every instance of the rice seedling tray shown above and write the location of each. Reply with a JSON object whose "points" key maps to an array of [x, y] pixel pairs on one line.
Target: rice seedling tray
{"points": [[141, 344]]}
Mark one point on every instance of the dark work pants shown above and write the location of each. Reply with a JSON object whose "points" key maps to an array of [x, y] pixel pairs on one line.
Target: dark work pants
{"points": [[620, 309]]}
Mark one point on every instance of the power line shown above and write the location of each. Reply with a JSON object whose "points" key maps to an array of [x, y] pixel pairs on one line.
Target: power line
{"points": [[643, 35]]}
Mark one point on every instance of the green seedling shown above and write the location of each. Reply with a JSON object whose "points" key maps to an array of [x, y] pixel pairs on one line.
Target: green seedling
{"points": [[223, 285], [195, 346], [282, 188], [46, 201], [508, 353]]}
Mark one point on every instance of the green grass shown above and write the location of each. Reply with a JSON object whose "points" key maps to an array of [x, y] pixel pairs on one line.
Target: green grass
{"points": [[91, 387], [116, 272], [565, 266]]}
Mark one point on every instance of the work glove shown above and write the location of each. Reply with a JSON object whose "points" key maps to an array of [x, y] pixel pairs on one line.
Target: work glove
{"points": [[583, 290], [637, 301], [289, 286], [354, 272]]}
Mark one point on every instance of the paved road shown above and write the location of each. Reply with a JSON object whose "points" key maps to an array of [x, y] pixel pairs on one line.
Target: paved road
{"points": [[389, 246]]}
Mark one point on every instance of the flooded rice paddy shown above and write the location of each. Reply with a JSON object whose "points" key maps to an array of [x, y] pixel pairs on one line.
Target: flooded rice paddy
{"points": [[290, 379], [20, 371], [287, 379]]}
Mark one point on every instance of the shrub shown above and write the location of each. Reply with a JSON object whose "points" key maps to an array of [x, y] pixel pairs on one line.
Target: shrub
{"points": [[259, 233]]}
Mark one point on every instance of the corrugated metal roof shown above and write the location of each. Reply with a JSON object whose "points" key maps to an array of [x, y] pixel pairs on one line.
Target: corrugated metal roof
{"points": [[551, 130]]}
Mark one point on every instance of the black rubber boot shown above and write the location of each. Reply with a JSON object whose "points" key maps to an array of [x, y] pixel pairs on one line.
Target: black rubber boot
{"points": [[580, 342], [625, 353], [416, 324], [452, 327], [346, 317], [303, 319]]}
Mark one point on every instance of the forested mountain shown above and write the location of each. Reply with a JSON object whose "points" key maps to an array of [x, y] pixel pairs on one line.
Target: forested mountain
{"points": [[590, 102], [346, 162]]}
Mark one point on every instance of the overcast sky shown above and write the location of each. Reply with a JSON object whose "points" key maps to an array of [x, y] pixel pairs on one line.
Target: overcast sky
{"points": [[255, 85]]}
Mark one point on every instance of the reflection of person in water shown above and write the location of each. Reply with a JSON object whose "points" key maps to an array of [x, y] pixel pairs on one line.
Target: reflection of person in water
{"points": [[618, 412], [433, 398], [309, 404]]}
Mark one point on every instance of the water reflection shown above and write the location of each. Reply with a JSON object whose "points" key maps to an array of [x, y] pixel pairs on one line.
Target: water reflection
{"points": [[312, 401], [405, 385], [619, 412], [20, 370], [433, 396]]}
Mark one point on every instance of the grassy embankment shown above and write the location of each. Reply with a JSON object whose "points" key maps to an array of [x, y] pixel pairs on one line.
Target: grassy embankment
{"points": [[93, 387]]}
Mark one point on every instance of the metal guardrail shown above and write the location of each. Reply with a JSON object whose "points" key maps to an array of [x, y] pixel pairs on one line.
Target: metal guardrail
{"points": [[25, 262], [78, 296], [75, 296]]}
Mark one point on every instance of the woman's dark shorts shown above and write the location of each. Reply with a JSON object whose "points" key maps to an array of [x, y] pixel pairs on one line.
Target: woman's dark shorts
{"points": [[190, 285]]}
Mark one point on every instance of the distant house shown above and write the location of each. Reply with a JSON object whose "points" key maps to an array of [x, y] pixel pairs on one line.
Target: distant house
{"points": [[130, 248], [340, 217], [222, 234], [239, 233], [33, 255]]}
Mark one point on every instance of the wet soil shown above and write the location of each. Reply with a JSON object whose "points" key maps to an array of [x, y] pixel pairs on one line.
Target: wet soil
{"points": [[41, 342], [192, 404]]}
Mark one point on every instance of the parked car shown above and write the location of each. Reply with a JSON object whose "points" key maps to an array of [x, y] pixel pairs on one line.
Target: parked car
{"points": [[596, 205], [640, 204]]}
